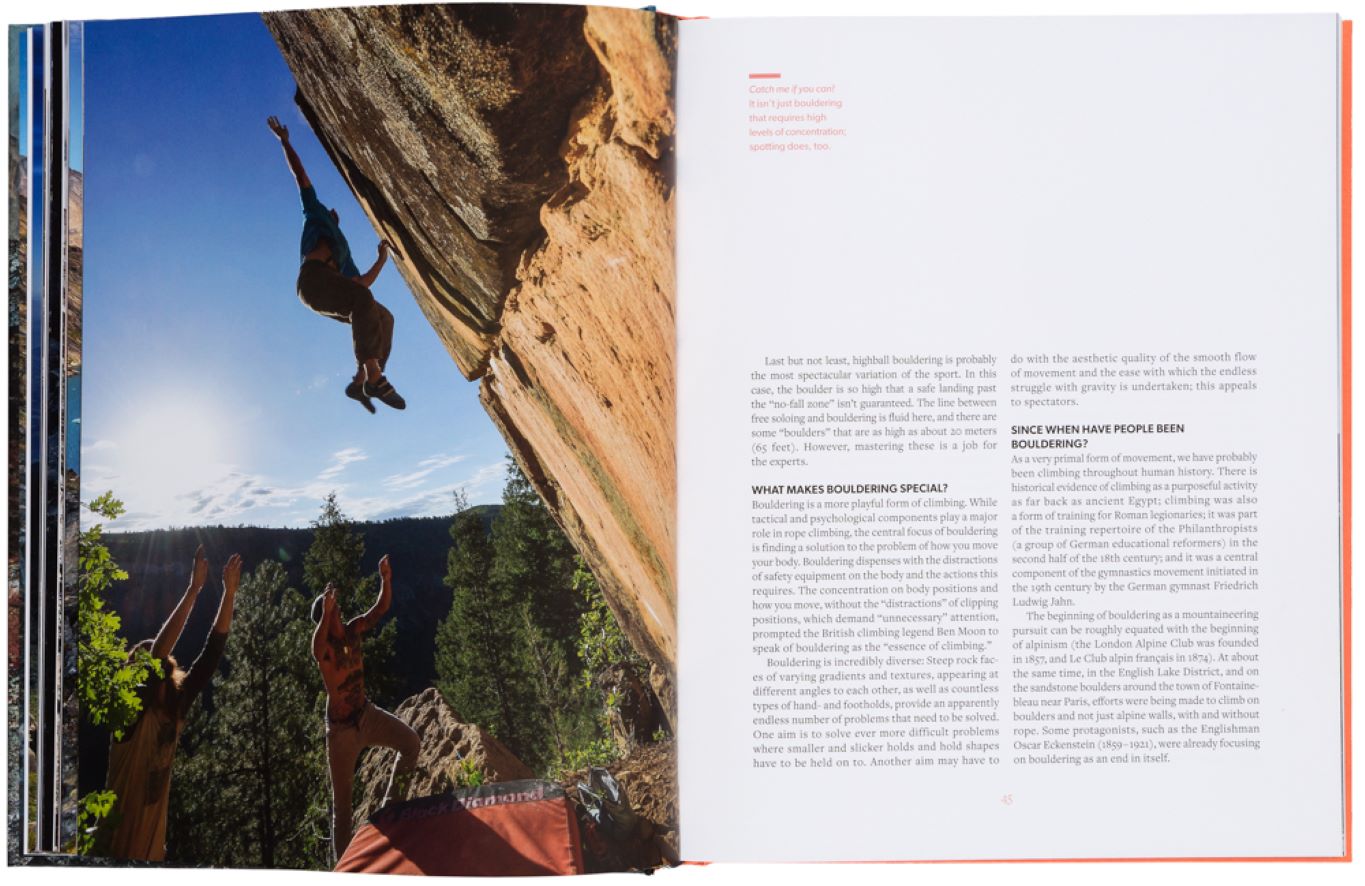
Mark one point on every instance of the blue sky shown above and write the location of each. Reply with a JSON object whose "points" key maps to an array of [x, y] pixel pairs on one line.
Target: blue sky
{"points": [[211, 394], [76, 146]]}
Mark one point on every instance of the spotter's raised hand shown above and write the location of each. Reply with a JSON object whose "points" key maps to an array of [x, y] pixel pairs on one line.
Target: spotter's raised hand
{"points": [[232, 573], [201, 569]]}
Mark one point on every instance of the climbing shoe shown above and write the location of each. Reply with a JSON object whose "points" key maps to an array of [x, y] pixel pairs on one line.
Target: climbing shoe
{"points": [[384, 393], [356, 391]]}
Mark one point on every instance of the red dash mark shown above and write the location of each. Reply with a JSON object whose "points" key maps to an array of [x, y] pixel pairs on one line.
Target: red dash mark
{"points": [[765, 76]]}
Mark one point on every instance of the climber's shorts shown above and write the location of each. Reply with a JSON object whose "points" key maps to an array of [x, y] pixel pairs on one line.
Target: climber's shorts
{"points": [[324, 290]]}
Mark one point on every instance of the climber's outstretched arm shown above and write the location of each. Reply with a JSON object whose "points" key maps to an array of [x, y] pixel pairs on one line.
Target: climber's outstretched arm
{"points": [[295, 164], [367, 279], [207, 663], [169, 635], [323, 633], [370, 619]]}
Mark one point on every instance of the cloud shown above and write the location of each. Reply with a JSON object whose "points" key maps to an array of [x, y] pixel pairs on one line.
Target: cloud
{"points": [[99, 446], [340, 460], [227, 497], [485, 475], [316, 383], [96, 473], [430, 503], [229, 494], [236, 493], [425, 468], [436, 502], [130, 521], [441, 461]]}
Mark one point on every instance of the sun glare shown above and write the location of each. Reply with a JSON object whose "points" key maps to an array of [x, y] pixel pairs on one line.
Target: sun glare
{"points": [[166, 447]]}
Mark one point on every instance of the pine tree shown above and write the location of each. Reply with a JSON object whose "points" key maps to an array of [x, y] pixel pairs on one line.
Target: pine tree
{"points": [[506, 655], [481, 666], [572, 708], [251, 785], [534, 560], [334, 556]]}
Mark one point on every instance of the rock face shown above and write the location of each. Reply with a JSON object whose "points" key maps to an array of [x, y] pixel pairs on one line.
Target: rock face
{"points": [[520, 158], [447, 744], [634, 716]]}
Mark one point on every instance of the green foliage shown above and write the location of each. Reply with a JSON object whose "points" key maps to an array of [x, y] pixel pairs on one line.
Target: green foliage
{"points": [[601, 642], [92, 816], [107, 677], [481, 666], [526, 629], [468, 775], [554, 689], [383, 682], [417, 547], [595, 752], [251, 785], [533, 558], [602, 645], [252, 789], [107, 506], [334, 556]]}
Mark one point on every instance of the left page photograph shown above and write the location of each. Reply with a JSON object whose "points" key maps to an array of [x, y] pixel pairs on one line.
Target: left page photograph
{"points": [[341, 436]]}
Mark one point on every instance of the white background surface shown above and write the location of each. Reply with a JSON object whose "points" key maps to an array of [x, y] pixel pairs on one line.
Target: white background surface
{"points": [[1015, 186], [26, 10]]}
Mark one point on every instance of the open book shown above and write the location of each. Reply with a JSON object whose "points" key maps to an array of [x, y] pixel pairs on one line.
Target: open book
{"points": [[892, 439]]}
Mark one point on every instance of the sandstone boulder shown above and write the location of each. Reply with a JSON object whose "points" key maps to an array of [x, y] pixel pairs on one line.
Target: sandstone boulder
{"points": [[450, 750]]}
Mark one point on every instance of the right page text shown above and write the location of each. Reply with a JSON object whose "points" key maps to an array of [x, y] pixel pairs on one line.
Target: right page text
{"points": [[1008, 439]]}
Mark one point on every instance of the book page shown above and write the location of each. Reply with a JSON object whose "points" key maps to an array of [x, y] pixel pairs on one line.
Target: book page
{"points": [[1009, 410], [375, 491]]}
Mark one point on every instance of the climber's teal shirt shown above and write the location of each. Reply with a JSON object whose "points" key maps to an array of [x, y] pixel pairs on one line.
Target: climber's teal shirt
{"points": [[318, 224]]}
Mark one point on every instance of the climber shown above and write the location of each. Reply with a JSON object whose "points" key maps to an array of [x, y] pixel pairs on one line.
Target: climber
{"points": [[353, 721], [331, 285], [140, 763]]}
